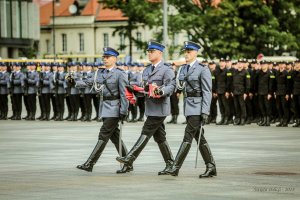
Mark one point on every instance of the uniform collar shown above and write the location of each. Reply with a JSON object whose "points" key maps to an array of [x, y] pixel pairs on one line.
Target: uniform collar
{"points": [[192, 63]]}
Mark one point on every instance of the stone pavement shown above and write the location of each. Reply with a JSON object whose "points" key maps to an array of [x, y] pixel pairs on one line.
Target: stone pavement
{"points": [[38, 161]]}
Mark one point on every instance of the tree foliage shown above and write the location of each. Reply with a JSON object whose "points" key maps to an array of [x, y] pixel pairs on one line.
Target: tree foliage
{"points": [[233, 28]]}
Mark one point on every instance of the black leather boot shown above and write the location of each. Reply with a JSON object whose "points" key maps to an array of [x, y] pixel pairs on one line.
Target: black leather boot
{"points": [[32, 116], [47, 118], [1, 115], [88, 118], [4, 117], [209, 162], [95, 155], [18, 116], [263, 122], [280, 123], [267, 121], [29, 116], [75, 117], [180, 157], [226, 122], [243, 122], [175, 119], [68, 117], [237, 121], [167, 155], [125, 168], [172, 120], [71, 117], [135, 151], [297, 124]]}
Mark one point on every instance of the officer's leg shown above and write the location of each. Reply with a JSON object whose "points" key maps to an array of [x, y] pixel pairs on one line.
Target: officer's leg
{"points": [[221, 98], [5, 106], [268, 105], [242, 107], [214, 110], [237, 118], [286, 111], [1, 106], [141, 104], [53, 102], [261, 103], [280, 112], [47, 106], [106, 130], [192, 125], [151, 125], [26, 103], [19, 106], [296, 99], [160, 138], [33, 106]]}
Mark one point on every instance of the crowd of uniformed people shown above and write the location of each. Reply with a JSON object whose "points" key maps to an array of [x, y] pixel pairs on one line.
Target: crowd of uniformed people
{"points": [[243, 91]]}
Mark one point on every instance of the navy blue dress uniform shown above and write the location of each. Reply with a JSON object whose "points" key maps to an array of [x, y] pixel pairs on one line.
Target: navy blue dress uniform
{"points": [[111, 84], [265, 90], [60, 91], [46, 88], [222, 90], [296, 92], [4, 85], [157, 109], [17, 87], [32, 87], [197, 99], [283, 93], [240, 87]]}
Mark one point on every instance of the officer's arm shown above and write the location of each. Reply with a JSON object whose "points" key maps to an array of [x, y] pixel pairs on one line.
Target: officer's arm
{"points": [[206, 88], [169, 83], [123, 81]]}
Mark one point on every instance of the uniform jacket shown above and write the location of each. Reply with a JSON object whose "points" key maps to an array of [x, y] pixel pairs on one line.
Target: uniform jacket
{"points": [[265, 82], [221, 80], [4, 82], [283, 83], [17, 82], [59, 84], [241, 82], [163, 75], [296, 83], [47, 82], [113, 83], [33, 82], [200, 81]]}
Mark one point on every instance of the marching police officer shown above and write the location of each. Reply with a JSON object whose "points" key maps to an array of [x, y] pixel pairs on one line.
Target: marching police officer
{"points": [[110, 82], [4, 85], [159, 81], [197, 99]]}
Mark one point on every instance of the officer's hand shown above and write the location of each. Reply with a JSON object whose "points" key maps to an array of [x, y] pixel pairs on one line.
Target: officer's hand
{"points": [[122, 117], [158, 91], [204, 119], [146, 88], [129, 88]]}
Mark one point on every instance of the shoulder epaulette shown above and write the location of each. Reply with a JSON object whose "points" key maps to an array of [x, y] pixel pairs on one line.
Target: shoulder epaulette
{"points": [[120, 69]]}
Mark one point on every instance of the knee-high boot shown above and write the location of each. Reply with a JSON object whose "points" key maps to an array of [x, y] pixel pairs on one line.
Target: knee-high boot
{"points": [[209, 161], [125, 168], [180, 157], [167, 155], [95, 155], [135, 151]]}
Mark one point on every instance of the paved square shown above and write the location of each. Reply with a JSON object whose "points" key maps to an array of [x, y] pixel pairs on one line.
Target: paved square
{"points": [[38, 161]]}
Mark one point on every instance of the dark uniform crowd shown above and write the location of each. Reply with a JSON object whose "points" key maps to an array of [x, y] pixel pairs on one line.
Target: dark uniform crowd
{"points": [[243, 91]]}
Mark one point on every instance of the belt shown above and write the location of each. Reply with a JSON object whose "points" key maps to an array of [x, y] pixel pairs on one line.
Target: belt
{"points": [[192, 94], [111, 98]]}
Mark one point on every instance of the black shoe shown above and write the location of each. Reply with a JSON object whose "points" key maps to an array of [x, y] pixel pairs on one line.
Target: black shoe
{"points": [[242, 123], [135, 151], [125, 169], [180, 157], [167, 155], [237, 121], [95, 155], [210, 171]]}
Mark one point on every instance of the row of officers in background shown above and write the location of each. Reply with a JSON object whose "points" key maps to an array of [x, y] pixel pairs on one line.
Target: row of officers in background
{"points": [[246, 92], [52, 87]]}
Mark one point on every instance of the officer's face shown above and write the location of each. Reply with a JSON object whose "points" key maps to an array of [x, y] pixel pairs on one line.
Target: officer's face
{"points": [[282, 67], [60, 69], [264, 67], [109, 61], [190, 55], [222, 64], [154, 55]]}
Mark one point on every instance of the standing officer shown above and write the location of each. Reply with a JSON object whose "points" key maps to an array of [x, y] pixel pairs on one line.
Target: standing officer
{"points": [[53, 94], [4, 85], [158, 79], [133, 80], [213, 106], [222, 91], [174, 98], [74, 92], [33, 84], [17, 85], [140, 97], [241, 88], [95, 95], [46, 91], [60, 88], [197, 99], [88, 74], [110, 82]]}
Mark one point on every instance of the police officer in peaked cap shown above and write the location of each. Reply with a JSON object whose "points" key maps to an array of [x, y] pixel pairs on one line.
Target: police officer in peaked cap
{"points": [[197, 99], [110, 82]]}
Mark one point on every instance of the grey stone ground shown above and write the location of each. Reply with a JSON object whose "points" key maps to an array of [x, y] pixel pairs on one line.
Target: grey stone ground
{"points": [[38, 159]]}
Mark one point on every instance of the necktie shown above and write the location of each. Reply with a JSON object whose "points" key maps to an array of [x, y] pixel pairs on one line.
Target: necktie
{"points": [[152, 68], [188, 67]]}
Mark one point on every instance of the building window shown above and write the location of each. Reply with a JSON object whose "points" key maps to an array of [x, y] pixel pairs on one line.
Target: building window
{"points": [[81, 42], [64, 42], [122, 42], [139, 39], [48, 46], [105, 40]]}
